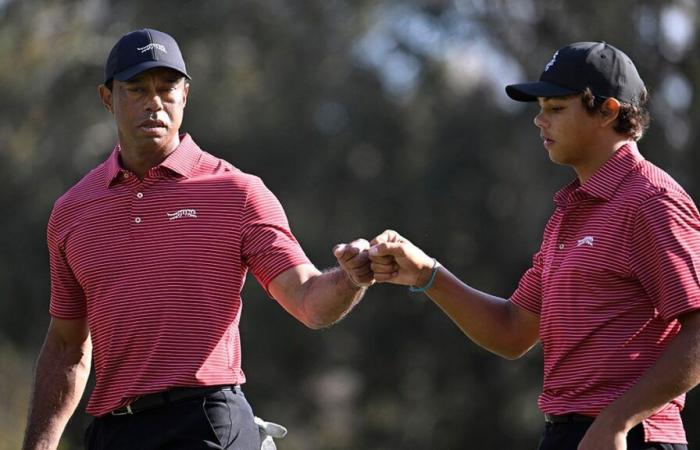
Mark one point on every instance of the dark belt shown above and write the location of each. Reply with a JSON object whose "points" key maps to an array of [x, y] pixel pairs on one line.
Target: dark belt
{"points": [[151, 401], [568, 418]]}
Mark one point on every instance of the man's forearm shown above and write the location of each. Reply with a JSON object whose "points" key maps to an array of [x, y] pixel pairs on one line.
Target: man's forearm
{"points": [[675, 373], [329, 297], [61, 375]]}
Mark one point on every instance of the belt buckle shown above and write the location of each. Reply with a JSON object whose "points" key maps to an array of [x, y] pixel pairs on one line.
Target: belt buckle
{"points": [[123, 413]]}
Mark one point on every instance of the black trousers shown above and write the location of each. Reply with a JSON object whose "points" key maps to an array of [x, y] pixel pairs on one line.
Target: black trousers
{"points": [[567, 436], [219, 420]]}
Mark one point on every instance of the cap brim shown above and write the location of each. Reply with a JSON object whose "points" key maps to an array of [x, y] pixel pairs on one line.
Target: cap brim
{"points": [[528, 92], [131, 72]]}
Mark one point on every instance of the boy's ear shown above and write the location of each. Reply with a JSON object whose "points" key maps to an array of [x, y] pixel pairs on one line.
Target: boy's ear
{"points": [[610, 110]]}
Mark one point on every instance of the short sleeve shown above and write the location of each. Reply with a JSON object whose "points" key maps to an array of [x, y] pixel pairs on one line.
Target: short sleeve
{"points": [[665, 253], [67, 296], [528, 294], [268, 245]]}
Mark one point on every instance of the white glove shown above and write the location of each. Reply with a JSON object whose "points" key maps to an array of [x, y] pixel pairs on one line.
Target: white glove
{"points": [[268, 431]]}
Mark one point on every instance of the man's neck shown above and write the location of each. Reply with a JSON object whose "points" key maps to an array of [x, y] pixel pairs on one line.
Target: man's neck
{"points": [[140, 159]]}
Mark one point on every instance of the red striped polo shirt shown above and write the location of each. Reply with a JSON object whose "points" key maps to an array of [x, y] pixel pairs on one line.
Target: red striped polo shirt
{"points": [[618, 264], [157, 267]]}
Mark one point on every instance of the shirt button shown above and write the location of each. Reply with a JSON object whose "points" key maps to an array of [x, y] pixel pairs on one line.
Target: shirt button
{"points": [[561, 246], [137, 220], [126, 174], [139, 195]]}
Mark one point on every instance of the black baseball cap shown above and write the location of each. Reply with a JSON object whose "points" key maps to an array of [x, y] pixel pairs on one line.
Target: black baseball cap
{"points": [[141, 50], [606, 70]]}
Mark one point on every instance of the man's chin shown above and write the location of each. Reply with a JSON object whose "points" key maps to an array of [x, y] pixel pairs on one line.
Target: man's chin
{"points": [[158, 140]]}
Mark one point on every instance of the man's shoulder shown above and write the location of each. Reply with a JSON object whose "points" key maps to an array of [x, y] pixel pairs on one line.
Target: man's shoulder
{"points": [[213, 166], [91, 184]]}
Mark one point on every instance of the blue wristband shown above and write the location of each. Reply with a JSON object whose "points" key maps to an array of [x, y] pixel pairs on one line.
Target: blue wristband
{"points": [[429, 284]]}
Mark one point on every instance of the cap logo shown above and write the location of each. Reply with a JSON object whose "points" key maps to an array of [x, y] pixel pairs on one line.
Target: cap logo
{"points": [[551, 61], [148, 47]]}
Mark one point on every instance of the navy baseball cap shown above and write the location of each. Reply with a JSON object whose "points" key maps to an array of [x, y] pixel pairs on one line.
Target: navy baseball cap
{"points": [[141, 50], [606, 70]]}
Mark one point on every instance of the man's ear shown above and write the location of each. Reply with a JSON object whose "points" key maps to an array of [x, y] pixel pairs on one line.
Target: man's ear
{"points": [[185, 93], [106, 97], [609, 110]]}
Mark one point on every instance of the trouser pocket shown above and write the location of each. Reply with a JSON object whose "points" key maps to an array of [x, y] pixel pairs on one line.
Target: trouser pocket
{"points": [[231, 420]]}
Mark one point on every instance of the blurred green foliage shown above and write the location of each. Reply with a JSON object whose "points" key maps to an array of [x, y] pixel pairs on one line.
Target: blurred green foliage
{"points": [[360, 115]]}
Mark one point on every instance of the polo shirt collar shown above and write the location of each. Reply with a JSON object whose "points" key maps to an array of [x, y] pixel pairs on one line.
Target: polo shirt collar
{"points": [[182, 161], [606, 180], [185, 157]]}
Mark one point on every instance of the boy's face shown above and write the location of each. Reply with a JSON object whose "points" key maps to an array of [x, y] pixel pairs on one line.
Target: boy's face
{"points": [[569, 132]]}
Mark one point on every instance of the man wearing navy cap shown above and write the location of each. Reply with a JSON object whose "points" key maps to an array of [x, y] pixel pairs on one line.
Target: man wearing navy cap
{"points": [[148, 255], [613, 295]]}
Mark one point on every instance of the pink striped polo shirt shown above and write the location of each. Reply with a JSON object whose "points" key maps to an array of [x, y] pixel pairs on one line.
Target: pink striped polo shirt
{"points": [[618, 264], [157, 267]]}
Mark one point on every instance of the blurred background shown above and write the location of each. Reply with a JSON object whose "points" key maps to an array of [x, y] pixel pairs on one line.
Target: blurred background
{"points": [[360, 115]]}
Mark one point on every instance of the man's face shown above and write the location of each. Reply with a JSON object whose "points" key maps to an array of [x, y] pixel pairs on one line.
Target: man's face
{"points": [[148, 108], [568, 131]]}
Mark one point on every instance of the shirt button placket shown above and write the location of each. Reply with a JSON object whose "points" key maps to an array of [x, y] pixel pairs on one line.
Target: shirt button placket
{"points": [[563, 235], [136, 205]]}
